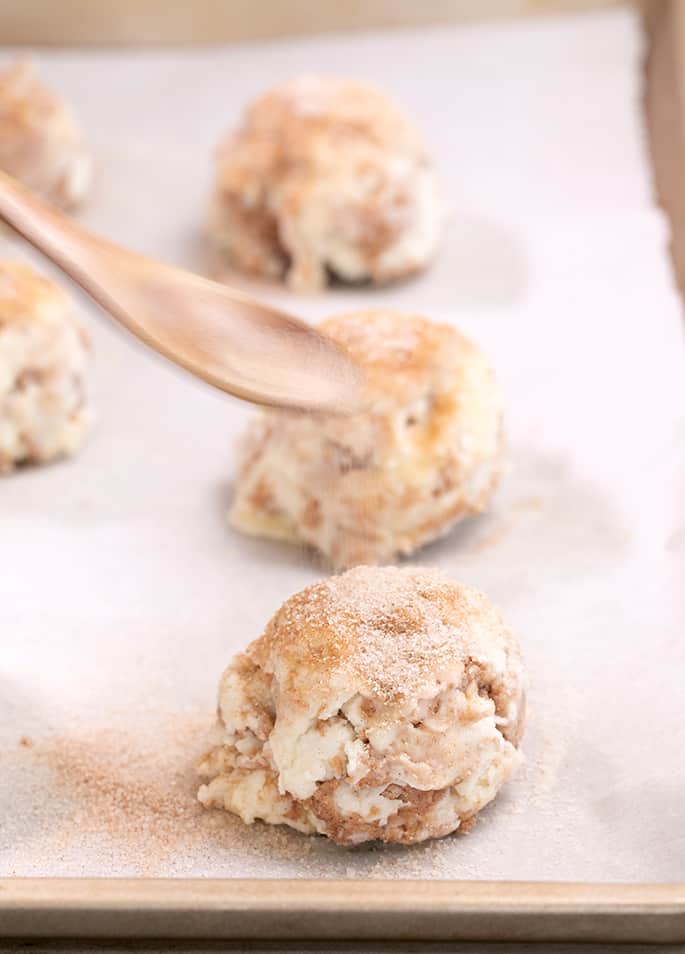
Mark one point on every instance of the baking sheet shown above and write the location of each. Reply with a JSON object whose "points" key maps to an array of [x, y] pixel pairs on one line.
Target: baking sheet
{"points": [[123, 593]]}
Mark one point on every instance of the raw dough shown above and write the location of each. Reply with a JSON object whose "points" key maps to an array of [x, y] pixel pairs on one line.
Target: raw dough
{"points": [[362, 489], [40, 140], [44, 356], [384, 703], [325, 178]]}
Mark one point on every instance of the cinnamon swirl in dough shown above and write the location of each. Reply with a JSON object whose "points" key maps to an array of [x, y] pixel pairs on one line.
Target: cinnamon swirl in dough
{"points": [[40, 141], [364, 488], [384, 704], [325, 177], [44, 356]]}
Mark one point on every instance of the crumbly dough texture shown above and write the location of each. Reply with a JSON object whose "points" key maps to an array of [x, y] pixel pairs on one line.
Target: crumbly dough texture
{"points": [[325, 177], [44, 357], [362, 489], [383, 704], [40, 140]]}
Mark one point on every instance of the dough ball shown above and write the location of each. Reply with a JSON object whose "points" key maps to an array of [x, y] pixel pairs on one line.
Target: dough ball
{"points": [[362, 489], [44, 356], [40, 140], [325, 178], [384, 704]]}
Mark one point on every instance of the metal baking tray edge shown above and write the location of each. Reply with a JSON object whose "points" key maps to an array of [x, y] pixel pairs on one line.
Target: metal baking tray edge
{"points": [[368, 910]]}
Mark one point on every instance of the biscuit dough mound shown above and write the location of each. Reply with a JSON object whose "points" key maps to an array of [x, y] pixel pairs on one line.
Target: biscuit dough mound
{"points": [[383, 704], [325, 178], [427, 452], [40, 140], [44, 358]]}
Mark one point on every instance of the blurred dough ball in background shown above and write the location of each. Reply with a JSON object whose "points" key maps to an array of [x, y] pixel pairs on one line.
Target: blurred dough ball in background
{"points": [[366, 488], [383, 704], [325, 179], [40, 140], [44, 358]]}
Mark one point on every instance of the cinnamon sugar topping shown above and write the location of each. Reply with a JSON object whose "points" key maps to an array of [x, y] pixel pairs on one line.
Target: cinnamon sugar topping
{"points": [[396, 637], [392, 629]]}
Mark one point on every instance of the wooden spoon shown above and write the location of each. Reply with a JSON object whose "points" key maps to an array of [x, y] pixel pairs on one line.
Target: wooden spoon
{"points": [[233, 342]]}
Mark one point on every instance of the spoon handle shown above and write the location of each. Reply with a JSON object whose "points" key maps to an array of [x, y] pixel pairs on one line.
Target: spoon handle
{"points": [[39, 223], [227, 339], [139, 293], [75, 250]]}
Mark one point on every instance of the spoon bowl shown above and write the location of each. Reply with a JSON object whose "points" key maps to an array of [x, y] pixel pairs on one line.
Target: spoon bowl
{"points": [[231, 341]]}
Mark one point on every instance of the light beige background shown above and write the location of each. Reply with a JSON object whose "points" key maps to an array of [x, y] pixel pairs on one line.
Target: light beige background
{"points": [[191, 21]]}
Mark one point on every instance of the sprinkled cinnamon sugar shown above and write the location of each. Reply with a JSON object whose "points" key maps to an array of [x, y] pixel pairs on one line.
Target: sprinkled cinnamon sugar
{"points": [[26, 296], [127, 794], [390, 628], [396, 634], [118, 798], [386, 343], [405, 357], [501, 529], [122, 788]]}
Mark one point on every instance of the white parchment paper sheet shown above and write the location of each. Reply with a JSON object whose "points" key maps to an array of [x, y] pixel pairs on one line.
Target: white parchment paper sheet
{"points": [[123, 590]]}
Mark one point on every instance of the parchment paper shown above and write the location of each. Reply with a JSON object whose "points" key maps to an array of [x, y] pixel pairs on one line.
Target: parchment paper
{"points": [[123, 593]]}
